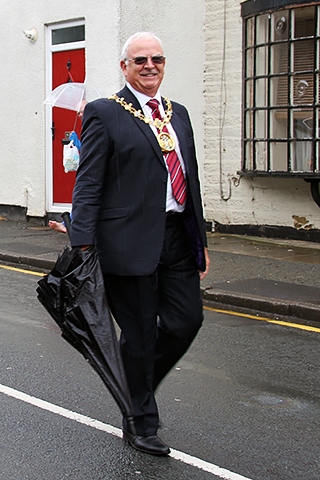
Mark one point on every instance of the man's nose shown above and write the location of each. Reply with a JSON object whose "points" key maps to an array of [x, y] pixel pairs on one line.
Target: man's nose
{"points": [[149, 63]]}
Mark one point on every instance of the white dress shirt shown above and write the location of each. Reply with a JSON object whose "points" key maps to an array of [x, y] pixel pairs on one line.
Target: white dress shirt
{"points": [[171, 203]]}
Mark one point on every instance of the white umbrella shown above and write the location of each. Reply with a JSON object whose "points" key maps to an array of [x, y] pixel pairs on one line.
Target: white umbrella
{"points": [[71, 95]]}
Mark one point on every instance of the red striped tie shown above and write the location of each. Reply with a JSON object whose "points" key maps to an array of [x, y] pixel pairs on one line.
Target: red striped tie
{"points": [[178, 182]]}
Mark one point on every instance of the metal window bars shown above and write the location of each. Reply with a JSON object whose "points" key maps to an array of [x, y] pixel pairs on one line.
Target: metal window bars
{"points": [[281, 93]]}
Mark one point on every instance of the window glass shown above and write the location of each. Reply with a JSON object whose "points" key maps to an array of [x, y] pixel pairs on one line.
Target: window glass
{"points": [[261, 156], [249, 125], [278, 156], [302, 91], [262, 29], [249, 93], [279, 58], [279, 26], [68, 35], [317, 162], [279, 91], [249, 155], [261, 61], [249, 63], [278, 124], [303, 24], [261, 97], [260, 124], [282, 91], [250, 32]]}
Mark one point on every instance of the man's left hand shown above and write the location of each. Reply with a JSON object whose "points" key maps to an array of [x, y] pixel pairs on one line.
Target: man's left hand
{"points": [[207, 258]]}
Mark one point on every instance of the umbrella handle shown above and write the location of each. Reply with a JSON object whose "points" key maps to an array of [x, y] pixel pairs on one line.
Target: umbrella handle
{"points": [[66, 218]]}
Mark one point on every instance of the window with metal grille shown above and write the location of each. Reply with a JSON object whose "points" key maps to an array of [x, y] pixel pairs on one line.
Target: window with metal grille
{"points": [[281, 123]]}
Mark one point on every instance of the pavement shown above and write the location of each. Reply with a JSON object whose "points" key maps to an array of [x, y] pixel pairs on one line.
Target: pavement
{"points": [[263, 276]]}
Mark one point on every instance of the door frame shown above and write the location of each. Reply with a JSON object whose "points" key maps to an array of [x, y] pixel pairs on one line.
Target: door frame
{"points": [[50, 49]]}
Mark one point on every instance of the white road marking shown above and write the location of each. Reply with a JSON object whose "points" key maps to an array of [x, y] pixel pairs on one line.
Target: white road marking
{"points": [[90, 422]]}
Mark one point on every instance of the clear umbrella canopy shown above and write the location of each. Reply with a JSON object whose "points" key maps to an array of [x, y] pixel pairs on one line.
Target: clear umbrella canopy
{"points": [[71, 95]]}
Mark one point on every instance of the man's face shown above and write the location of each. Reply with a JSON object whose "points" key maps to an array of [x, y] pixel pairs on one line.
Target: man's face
{"points": [[144, 78]]}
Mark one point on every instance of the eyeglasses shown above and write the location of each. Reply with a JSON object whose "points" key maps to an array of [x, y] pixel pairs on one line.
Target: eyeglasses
{"points": [[156, 59]]}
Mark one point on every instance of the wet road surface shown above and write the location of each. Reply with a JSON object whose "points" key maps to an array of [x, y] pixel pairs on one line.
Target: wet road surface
{"points": [[244, 399]]}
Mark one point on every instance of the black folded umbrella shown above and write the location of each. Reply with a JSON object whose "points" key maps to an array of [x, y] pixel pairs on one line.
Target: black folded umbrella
{"points": [[73, 294]]}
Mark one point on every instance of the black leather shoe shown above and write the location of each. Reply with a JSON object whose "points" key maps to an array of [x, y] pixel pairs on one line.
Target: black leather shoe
{"points": [[150, 444]]}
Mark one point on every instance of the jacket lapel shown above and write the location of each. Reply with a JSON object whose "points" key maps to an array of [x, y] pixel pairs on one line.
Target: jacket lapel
{"points": [[179, 128], [175, 121], [130, 98]]}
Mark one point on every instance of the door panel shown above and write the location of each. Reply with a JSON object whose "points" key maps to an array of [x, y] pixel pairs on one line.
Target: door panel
{"points": [[66, 66]]}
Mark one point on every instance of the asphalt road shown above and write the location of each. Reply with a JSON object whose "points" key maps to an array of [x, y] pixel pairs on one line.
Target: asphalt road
{"points": [[245, 399]]}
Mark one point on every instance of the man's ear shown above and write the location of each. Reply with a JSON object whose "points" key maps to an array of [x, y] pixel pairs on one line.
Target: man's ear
{"points": [[123, 67]]}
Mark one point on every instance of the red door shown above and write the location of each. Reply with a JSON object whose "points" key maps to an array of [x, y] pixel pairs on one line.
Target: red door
{"points": [[66, 66]]}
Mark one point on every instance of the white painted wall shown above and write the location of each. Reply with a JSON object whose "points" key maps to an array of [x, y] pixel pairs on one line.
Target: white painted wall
{"points": [[268, 201], [108, 24], [23, 87], [201, 72], [21, 118], [180, 25]]}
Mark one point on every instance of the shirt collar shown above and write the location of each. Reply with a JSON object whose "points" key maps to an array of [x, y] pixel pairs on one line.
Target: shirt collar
{"points": [[141, 97]]}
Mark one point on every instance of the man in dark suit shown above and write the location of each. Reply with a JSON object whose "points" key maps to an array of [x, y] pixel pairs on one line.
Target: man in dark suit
{"points": [[137, 198]]}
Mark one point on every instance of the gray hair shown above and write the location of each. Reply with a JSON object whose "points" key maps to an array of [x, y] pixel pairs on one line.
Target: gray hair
{"points": [[137, 36]]}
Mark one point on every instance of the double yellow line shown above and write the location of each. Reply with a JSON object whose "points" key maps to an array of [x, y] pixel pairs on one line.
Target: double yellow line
{"points": [[264, 319], [217, 310], [21, 270]]}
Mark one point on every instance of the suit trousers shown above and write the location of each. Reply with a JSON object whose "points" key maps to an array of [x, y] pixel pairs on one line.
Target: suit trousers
{"points": [[159, 316]]}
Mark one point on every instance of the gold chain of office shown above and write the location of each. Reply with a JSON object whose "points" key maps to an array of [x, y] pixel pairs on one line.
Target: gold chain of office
{"points": [[165, 140]]}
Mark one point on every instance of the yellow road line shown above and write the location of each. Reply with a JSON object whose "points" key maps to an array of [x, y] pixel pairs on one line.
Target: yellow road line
{"points": [[217, 310], [264, 319], [27, 272]]}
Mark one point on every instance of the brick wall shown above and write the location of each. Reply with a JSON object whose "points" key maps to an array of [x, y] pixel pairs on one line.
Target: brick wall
{"points": [[267, 201]]}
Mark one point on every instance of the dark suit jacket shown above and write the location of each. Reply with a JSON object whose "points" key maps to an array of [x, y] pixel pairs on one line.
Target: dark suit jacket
{"points": [[119, 199]]}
